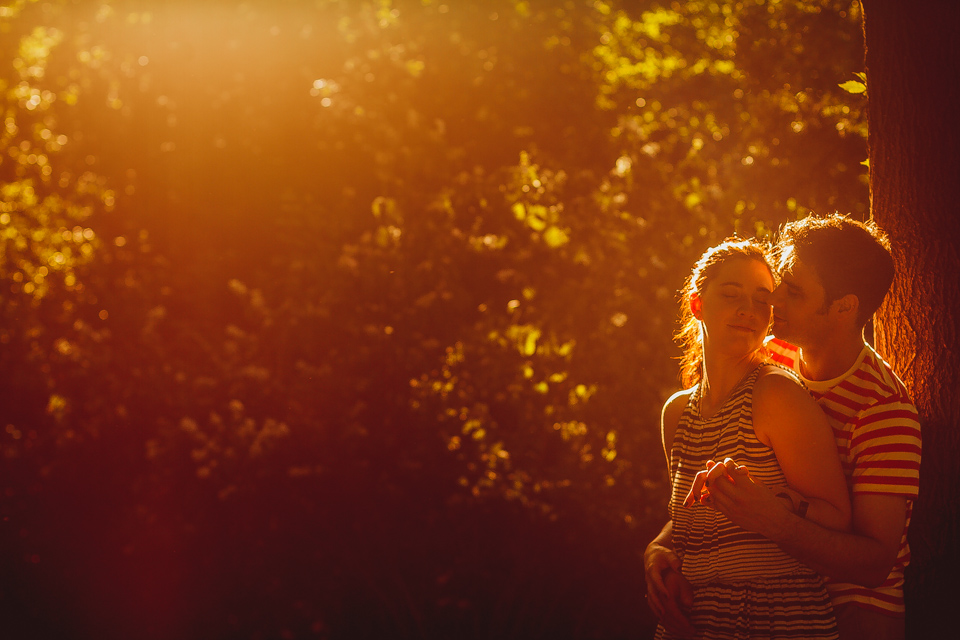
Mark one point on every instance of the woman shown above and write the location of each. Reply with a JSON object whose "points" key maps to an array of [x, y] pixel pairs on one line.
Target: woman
{"points": [[736, 404]]}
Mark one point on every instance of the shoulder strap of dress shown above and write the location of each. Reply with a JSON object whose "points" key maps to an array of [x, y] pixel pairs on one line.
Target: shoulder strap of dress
{"points": [[793, 374], [691, 407]]}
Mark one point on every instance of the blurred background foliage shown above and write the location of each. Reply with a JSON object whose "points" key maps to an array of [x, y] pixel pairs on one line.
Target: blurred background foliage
{"points": [[353, 318]]}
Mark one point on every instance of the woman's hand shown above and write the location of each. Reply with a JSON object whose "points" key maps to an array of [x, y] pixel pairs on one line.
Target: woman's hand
{"points": [[746, 501], [700, 489]]}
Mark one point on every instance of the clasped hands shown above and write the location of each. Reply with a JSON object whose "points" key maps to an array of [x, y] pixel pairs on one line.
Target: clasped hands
{"points": [[700, 489], [729, 488]]}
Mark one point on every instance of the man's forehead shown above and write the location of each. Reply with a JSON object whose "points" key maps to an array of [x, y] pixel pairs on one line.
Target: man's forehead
{"points": [[799, 272]]}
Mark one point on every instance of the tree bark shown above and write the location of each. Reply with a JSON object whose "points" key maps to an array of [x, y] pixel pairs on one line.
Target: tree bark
{"points": [[912, 54]]}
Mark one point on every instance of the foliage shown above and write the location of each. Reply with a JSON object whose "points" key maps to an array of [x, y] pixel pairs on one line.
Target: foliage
{"points": [[380, 292]]}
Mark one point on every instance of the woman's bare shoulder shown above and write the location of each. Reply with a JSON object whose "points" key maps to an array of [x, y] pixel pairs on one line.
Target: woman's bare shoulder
{"points": [[782, 403]]}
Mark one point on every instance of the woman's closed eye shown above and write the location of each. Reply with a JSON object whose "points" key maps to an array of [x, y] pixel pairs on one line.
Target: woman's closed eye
{"points": [[730, 291]]}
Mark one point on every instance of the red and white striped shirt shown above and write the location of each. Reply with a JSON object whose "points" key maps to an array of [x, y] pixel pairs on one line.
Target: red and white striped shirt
{"points": [[878, 438]]}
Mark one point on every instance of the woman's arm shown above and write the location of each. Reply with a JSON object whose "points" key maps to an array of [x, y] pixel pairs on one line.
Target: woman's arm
{"points": [[659, 556], [789, 421]]}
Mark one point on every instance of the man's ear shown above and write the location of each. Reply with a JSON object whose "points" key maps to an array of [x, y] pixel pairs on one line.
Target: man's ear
{"points": [[848, 306], [696, 305]]}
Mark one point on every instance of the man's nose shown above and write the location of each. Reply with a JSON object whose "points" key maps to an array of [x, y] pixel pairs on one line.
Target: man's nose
{"points": [[775, 296]]}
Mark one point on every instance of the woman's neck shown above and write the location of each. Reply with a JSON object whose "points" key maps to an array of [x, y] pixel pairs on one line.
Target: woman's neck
{"points": [[721, 374]]}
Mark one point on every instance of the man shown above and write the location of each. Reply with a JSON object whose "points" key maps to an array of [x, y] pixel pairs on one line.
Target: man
{"points": [[835, 273]]}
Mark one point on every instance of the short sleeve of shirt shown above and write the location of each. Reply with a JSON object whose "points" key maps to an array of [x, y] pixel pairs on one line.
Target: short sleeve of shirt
{"points": [[885, 449]]}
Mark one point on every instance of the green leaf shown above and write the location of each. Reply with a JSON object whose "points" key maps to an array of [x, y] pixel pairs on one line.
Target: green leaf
{"points": [[530, 344], [852, 86], [555, 237], [537, 217]]}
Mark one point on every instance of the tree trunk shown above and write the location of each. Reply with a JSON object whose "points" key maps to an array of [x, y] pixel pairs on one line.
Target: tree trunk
{"points": [[912, 72]]}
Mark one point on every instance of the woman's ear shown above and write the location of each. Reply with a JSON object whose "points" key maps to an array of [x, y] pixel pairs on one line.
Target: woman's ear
{"points": [[696, 305]]}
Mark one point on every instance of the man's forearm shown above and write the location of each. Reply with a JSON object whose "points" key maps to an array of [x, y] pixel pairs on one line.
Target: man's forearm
{"points": [[665, 537], [842, 556], [659, 555]]}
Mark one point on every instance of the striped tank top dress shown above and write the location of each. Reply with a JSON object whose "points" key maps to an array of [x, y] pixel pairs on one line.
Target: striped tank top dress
{"points": [[745, 586]]}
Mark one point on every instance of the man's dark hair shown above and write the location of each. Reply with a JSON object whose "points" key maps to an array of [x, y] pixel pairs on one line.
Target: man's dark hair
{"points": [[847, 255]]}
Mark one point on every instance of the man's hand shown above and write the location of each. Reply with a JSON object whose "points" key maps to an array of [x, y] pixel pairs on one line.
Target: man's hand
{"points": [[746, 501], [669, 594]]}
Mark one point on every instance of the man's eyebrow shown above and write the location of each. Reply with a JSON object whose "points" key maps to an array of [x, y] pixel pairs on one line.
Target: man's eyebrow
{"points": [[791, 284]]}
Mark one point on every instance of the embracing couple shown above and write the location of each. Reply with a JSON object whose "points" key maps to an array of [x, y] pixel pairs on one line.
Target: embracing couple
{"points": [[794, 460]]}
